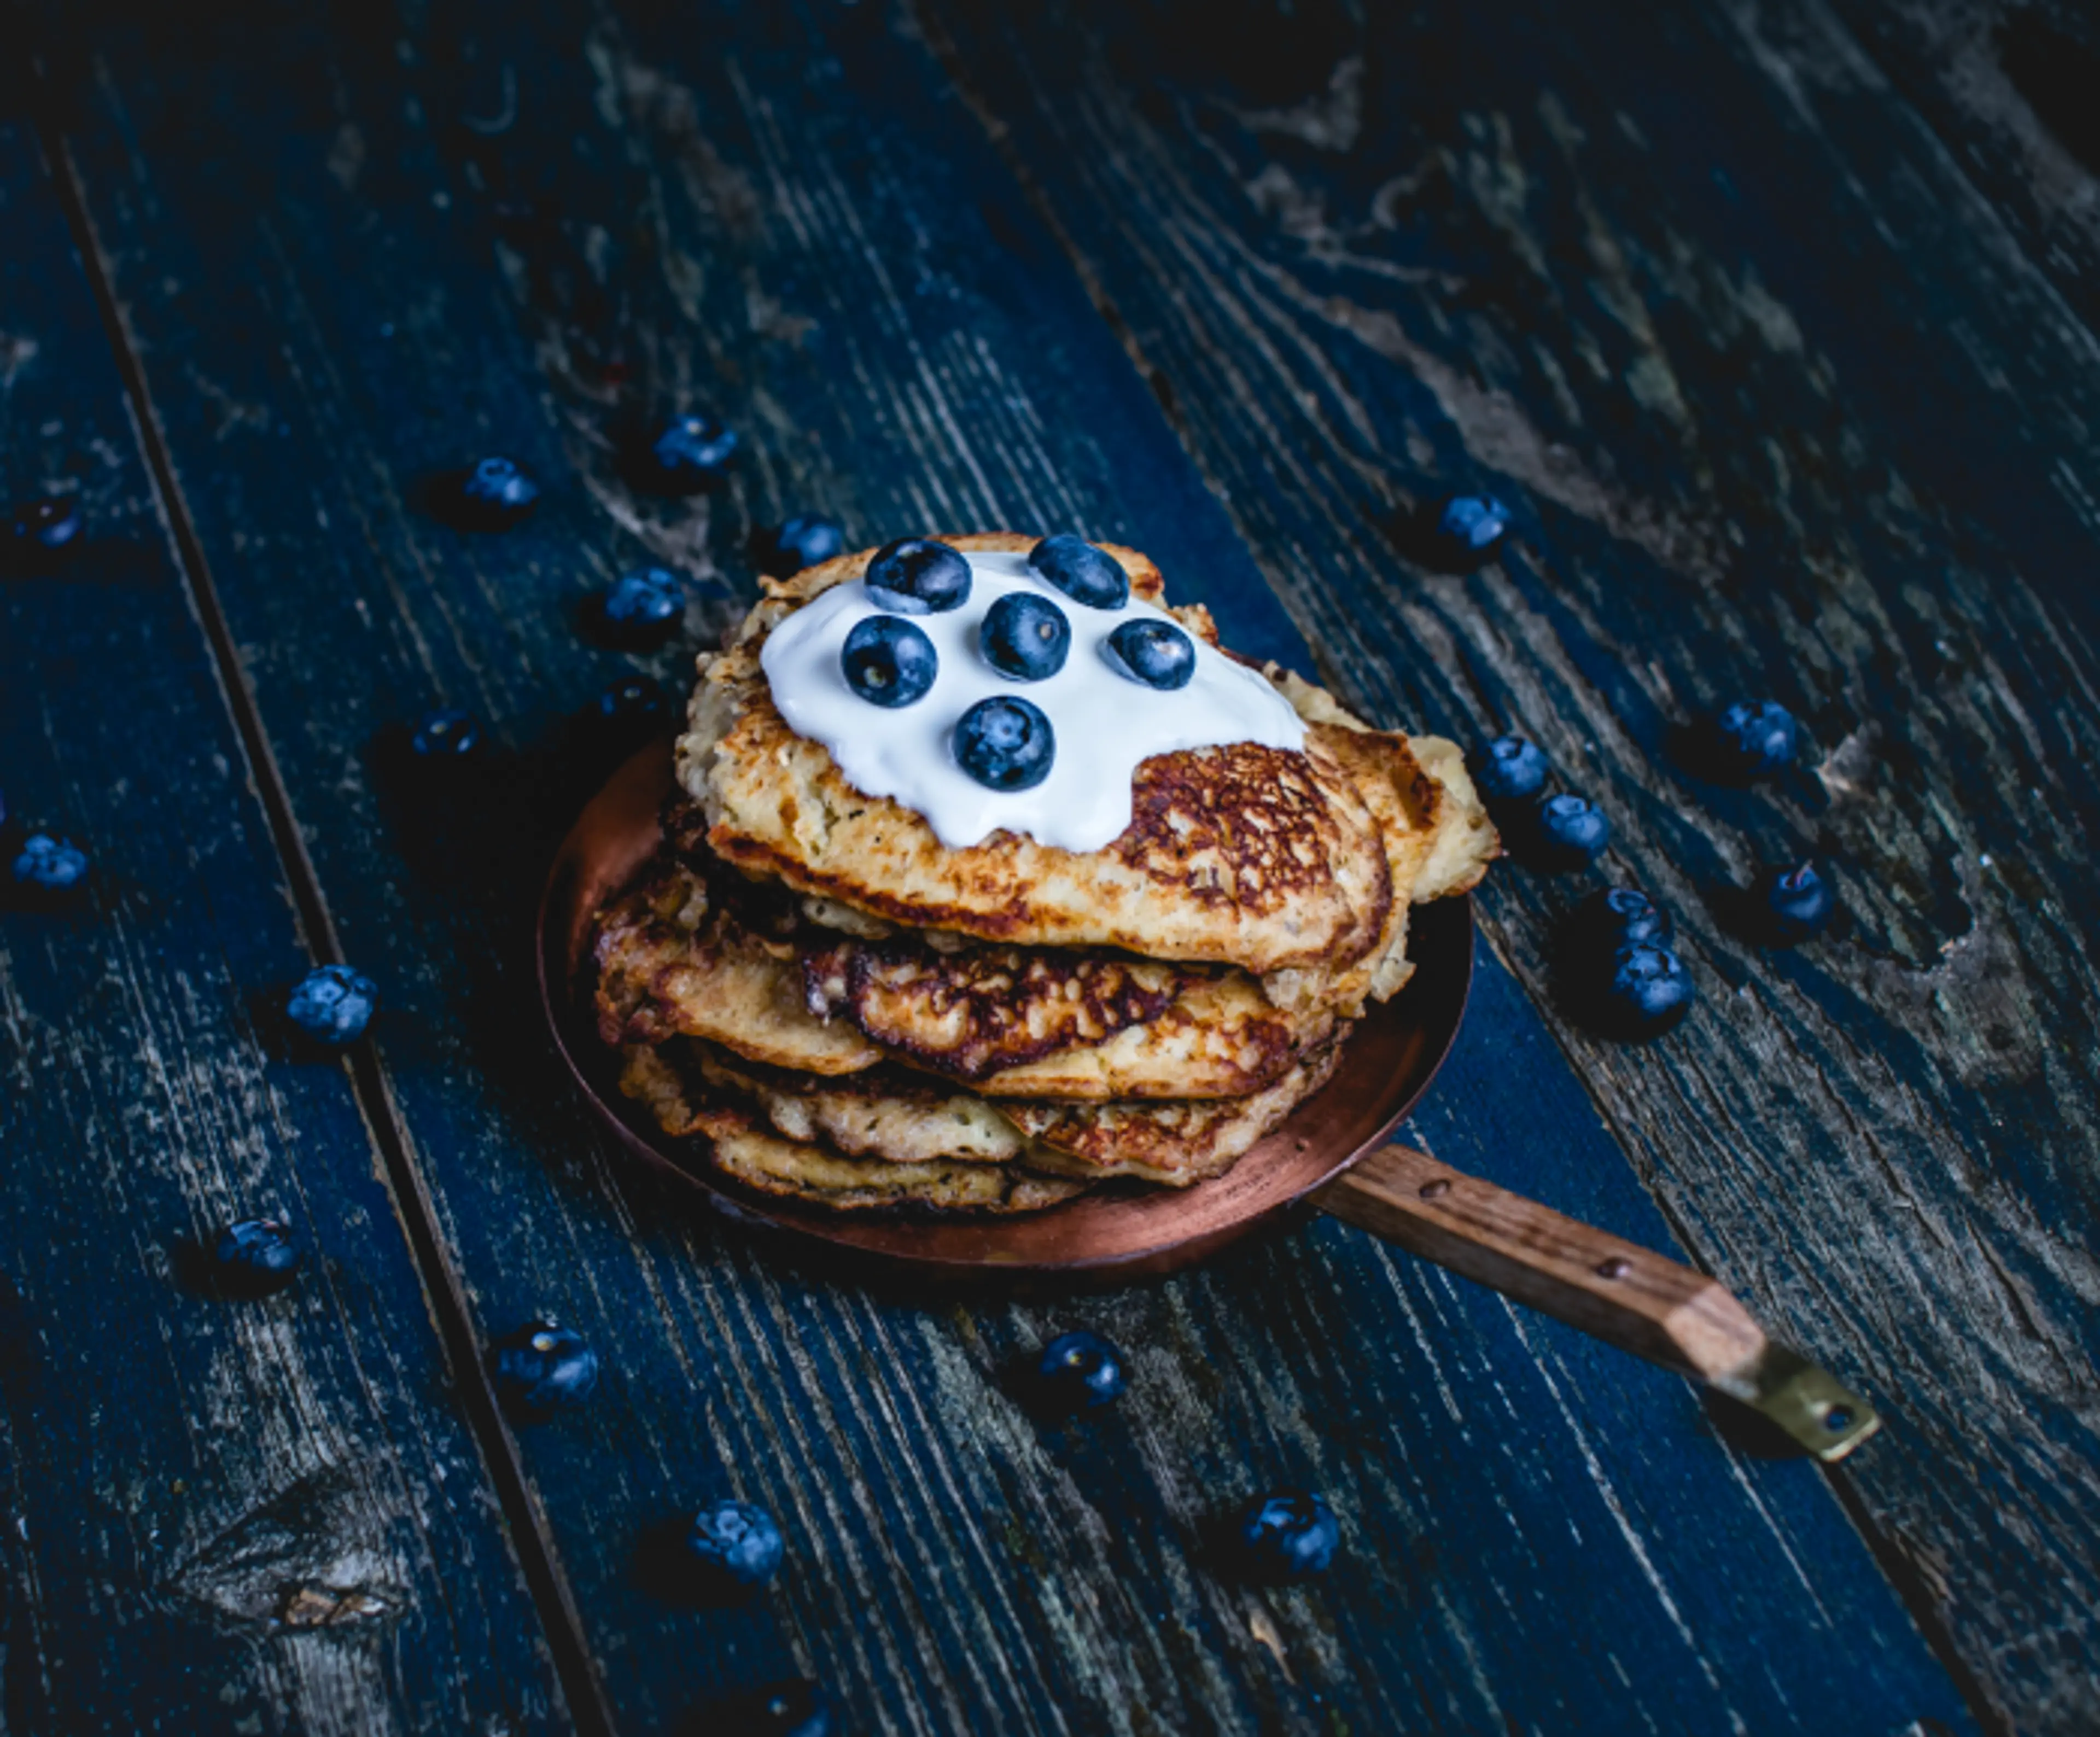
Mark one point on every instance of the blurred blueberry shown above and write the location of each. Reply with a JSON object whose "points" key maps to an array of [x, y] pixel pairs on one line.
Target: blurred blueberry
{"points": [[1078, 1371], [634, 705], [1798, 903], [1572, 831], [692, 448], [918, 576], [497, 492], [1647, 992], [1752, 738], [1619, 917], [1475, 523], [446, 733], [49, 863], [1289, 1534], [333, 1004], [544, 1367], [1084, 573], [735, 1539], [1512, 770], [1157, 654], [645, 605], [47, 523], [889, 662], [256, 1257], [807, 540]]}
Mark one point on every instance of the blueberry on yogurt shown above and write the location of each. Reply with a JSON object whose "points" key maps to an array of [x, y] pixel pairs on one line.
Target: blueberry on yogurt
{"points": [[889, 662], [1155, 653], [919, 576], [1005, 744], [1084, 573], [1026, 636]]}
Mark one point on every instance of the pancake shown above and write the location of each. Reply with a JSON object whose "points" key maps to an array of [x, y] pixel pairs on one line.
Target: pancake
{"points": [[1240, 854], [750, 1153]]}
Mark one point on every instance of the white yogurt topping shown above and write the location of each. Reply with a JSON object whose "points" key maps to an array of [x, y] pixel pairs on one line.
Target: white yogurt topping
{"points": [[1105, 722]]}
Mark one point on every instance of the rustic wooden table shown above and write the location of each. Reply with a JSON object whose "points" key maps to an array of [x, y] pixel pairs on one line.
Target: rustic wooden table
{"points": [[1775, 321]]}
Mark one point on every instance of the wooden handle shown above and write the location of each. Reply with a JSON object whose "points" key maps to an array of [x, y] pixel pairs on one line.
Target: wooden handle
{"points": [[1616, 1291]]}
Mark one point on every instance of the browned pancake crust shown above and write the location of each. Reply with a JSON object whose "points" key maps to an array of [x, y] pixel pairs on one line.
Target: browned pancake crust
{"points": [[973, 1012]]}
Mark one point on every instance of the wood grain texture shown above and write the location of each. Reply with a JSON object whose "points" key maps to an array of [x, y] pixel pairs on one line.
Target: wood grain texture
{"points": [[1785, 409], [357, 247], [214, 1515]]}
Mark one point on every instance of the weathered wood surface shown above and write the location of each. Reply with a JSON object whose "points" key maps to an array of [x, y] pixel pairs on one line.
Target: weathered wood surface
{"points": [[214, 1515], [1784, 409], [352, 250]]}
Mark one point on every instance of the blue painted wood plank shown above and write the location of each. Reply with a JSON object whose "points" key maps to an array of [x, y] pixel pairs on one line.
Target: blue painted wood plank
{"points": [[505, 240], [189, 1485]]}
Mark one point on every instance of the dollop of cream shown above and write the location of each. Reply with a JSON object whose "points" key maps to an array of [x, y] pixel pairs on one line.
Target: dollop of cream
{"points": [[1106, 724]]}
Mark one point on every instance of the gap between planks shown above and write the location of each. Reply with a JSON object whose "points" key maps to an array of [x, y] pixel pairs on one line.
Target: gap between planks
{"points": [[444, 1296]]}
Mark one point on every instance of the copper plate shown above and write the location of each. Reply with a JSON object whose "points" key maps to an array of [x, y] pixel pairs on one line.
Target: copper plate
{"points": [[1118, 1233]]}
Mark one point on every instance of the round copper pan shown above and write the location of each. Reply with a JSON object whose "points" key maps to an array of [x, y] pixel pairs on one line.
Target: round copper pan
{"points": [[1119, 1233]]}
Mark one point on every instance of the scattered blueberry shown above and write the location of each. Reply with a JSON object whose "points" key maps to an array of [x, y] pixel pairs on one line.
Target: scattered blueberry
{"points": [[333, 1004], [646, 604], [1005, 744], [1571, 831], [545, 1367], [1084, 573], [1648, 990], [1754, 737], [446, 733], [1290, 1534], [632, 704], [48, 522], [1080, 1371], [1620, 917], [1798, 903], [1476, 524], [918, 576], [794, 1709], [56, 865], [691, 449], [889, 662], [1156, 653], [1513, 770], [1026, 636], [806, 540], [256, 1256], [737, 1539], [498, 492]]}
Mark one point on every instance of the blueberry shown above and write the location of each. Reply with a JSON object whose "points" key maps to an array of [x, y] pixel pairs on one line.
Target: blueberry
{"points": [[1084, 573], [1005, 744], [1620, 917], [446, 733], [889, 662], [1155, 653], [256, 1256], [1648, 991], [1571, 831], [1080, 1371], [498, 492], [918, 576], [1513, 769], [55, 864], [1289, 1534], [806, 540], [692, 448], [634, 704], [734, 1540], [1026, 636], [1475, 523], [544, 1367], [794, 1709], [1798, 903], [333, 1004], [647, 604], [1753, 737], [49, 523]]}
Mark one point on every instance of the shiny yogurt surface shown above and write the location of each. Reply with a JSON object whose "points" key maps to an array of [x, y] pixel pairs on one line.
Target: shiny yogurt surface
{"points": [[1105, 721]]}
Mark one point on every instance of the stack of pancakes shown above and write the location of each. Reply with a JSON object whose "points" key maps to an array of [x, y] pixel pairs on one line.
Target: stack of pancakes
{"points": [[848, 1012]]}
